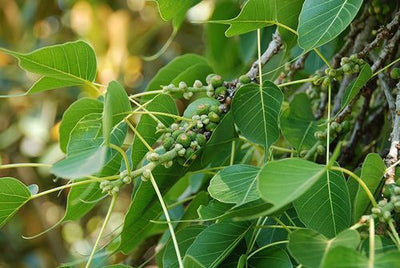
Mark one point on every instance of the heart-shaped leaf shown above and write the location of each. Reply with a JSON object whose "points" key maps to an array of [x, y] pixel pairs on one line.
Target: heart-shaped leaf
{"points": [[13, 195], [281, 182], [65, 65], [325, 207], [256, 112], [321, 21], [235, 184], [310, 248]]}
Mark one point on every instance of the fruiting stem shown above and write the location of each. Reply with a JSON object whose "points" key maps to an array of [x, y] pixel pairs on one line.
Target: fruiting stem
{"points": [[360, 181], [328, 123], [296, 82], [171, 228], [323, 58], [92, 179], [165, 114], [19, 165], [371, 243], [103, 227], [387, 66], [146, 93]]}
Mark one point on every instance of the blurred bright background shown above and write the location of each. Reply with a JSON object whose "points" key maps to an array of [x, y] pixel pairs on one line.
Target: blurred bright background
{"points": [[121, 32]]}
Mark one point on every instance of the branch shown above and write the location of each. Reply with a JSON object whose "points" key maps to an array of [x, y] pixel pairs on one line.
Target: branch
{"points": [[388, 94], [386, 51], [392, 156], [384, 33], [273, 48]]}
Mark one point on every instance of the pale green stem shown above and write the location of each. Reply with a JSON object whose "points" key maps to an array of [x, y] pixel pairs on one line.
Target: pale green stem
{"points": [[103, 227], [164, 114], [22, 165], [232, 153], [296, 82], [387, 66], [323, 58], [328, 123], [146, 93], [371, 243], [124, 156], [139, 136], [360, 181], [282, 149], [166, 214], [394, 232], [282, 224], [278, 227], [267, 246]]}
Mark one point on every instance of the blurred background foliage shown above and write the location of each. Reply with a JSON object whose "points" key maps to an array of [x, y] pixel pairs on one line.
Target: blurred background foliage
{"points": [[121, 32]]}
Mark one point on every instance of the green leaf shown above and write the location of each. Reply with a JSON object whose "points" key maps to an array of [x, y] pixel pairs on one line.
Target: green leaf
{"points": [[215, 243], [341, 257], [68, 64], [116, 107], [185, 238], [147, 125], [256, 112], [260, 13], [86, 152], [355, 86], [298, 124], [326, 207], [146, 207], [175, 11], [382, 245], [272, 257], [13, 195], [321, 21], [281, 182], [73, 114], [372, 173], [235, 184], [170, 71], [192, 107], [310, 248], [81, 199]]}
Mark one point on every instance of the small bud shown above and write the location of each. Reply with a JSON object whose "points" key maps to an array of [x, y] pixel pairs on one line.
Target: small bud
{"points": [[214, 117], [197, 84], [188, 95], [178, 146], [182, 85], [182, 152], [344, 61], [347, 68], [199, 124], [115, 190], [376, 211], [123, 174], [174, 126], [206, 121], [201, 139], [183, 139]]}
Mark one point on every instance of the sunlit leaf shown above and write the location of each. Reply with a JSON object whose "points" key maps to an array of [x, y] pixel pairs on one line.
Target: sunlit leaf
{"points": [[321, 21]]}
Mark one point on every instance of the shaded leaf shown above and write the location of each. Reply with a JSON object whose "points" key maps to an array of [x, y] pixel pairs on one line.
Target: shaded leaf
{"points": [[321, 21], [298, 124], [355, 86], [13, 195], [326, 207], [310, 248], [215, 243], [185, 238], [372, 173], [256, 112], [272, 257]]}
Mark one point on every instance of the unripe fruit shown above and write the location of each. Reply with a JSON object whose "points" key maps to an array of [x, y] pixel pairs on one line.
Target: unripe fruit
{"points": [[153, 157], [211, 126], [388, 192], [332, 72], [336, 127], [215, 109], [345, 126], [202, 108], [320, 135], [395, 73], [182, 85], [376, 211], [189, 153], [214, 117], [347, 68], [208, 78], [182, 152], [356, 68], [201, 139], [344, 61], [216, 81], [326, 82], [387, 215], [317, 80], [244, 79], [220, 91], [176, 133], [183, 139], [174, 126], [178, 146], [321, 149]]}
